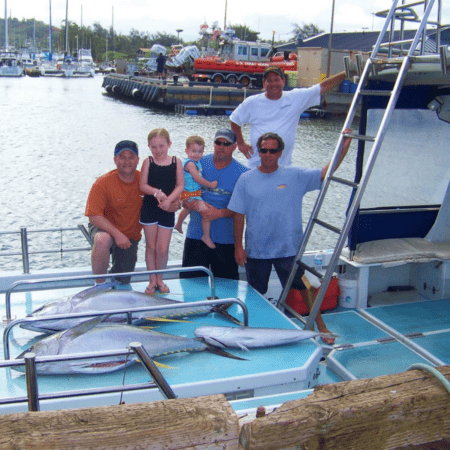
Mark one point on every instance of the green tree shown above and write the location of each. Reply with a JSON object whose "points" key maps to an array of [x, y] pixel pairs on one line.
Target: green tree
{"points": [[306, 31], [244, 33]]}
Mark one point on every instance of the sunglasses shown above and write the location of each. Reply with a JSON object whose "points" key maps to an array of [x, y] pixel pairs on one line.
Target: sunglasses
{"points": [[272, 151], [225, 144]]}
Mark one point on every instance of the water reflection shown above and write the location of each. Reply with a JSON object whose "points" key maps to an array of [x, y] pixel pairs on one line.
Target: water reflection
{"points": [[58, 136]]}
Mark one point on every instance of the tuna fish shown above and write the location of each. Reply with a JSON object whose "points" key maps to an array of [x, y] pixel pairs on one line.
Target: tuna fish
{"points": [[247, 337], [93, 336], [103, 298]]}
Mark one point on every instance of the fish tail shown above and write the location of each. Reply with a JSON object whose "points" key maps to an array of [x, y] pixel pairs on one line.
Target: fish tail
{"points": [[222, 310], [219, 352]]}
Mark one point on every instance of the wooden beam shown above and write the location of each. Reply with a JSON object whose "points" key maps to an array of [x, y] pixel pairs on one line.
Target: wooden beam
{"points": [[381, 413], [202, 423]]}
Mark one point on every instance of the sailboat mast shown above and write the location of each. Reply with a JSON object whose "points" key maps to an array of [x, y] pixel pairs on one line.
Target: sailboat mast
{"points": [[6, 26], [34, 37], [50, 43], [66, 47]]}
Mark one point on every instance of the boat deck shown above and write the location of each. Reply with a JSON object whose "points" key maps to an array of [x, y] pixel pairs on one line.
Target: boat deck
{"points": [[380, 340], [266, 371], [388, 339]]}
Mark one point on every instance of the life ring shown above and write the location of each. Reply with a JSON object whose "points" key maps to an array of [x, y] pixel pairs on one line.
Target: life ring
{"points": [[58, 66]]}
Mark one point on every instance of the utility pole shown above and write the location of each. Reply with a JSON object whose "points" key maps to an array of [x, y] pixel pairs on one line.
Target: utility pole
{"points": [[330, 42]]}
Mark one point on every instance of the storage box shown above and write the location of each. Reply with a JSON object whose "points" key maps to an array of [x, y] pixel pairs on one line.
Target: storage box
{"points": [[296, 301]]}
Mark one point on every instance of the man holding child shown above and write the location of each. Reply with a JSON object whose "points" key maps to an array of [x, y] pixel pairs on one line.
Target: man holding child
{"points": [[223, 168]]}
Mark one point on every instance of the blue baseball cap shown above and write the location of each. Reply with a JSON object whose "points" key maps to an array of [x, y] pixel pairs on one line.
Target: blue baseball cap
{"points": [[126, 145], [227, 134]]}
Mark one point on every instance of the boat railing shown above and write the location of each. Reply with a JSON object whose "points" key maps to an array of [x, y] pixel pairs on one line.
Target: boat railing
{"points": [[33, 397], [53, 283], [24, 241], [128, 311], [404, 13]]}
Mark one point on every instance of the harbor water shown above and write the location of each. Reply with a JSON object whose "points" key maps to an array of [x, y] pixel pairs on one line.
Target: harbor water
{"points": [[58, 136]]}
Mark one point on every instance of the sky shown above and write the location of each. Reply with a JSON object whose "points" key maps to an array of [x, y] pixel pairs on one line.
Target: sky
{"points": [[265, 16]]}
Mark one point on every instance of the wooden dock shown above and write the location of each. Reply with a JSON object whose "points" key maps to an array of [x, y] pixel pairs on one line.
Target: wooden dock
{"points": [[405, 411]]}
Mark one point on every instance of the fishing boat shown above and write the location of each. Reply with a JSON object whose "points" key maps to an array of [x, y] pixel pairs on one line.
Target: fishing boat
{"points": [[391, 256], [85, 66], [10, 64]]}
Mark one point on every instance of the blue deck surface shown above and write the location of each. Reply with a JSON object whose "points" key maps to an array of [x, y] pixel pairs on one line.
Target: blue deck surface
{"points": [[429, 315], [369, 357], [352, 328], [376, 360], [200, 373]]}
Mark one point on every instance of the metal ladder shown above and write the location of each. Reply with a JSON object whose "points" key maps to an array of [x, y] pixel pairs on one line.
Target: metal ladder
{"points": [[403, 64]]}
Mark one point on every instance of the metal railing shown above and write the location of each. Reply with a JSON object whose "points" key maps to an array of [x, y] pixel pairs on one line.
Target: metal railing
{"points": [[24, 241], [33, 397], [57, 281]]}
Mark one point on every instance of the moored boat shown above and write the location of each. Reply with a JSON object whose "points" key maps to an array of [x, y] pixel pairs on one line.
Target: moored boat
{"points": [[10, 64]]}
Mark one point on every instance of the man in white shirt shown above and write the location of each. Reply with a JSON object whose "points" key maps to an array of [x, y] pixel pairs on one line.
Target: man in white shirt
{"points": [[277, 111]]}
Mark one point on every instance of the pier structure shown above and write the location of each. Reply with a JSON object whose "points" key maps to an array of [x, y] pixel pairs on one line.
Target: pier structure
{"points": [[194, 98], [180, 96]]}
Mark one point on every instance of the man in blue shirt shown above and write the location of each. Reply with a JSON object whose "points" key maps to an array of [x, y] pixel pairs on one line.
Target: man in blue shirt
{"points": [[220, 166], [270, 198]]}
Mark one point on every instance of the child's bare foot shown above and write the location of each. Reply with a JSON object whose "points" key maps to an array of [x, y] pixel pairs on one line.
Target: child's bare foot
{"points": [[208, 241], [179, 228]]}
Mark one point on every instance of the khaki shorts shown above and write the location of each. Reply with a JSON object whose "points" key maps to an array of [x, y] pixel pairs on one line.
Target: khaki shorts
{"points": [[123, 260]]}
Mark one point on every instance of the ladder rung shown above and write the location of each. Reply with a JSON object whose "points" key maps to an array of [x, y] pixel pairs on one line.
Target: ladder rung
{"points": [[399, 42], [327, 226], [376, 93], [385, 12], [361, 137], [310, 269], [343, 181]]}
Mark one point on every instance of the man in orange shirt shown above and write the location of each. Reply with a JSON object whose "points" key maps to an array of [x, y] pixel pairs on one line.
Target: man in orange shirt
{"points": [[113, 207]]}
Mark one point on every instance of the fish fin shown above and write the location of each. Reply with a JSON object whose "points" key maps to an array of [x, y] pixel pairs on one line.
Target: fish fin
{"points": [[83, 327], [224, 313], [95, 290], [218, 351], [146, 327], [214, 342], [158, 364], [162, 319], [163, 366], [242, 346]]}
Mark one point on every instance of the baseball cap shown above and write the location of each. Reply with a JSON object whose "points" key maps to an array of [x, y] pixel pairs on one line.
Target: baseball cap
{"points": [[274, 69], [227, 134], [126, 145]]}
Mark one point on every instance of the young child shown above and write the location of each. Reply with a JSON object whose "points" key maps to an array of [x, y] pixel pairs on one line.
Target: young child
{"points": [[162, 181], [193, 181]]}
